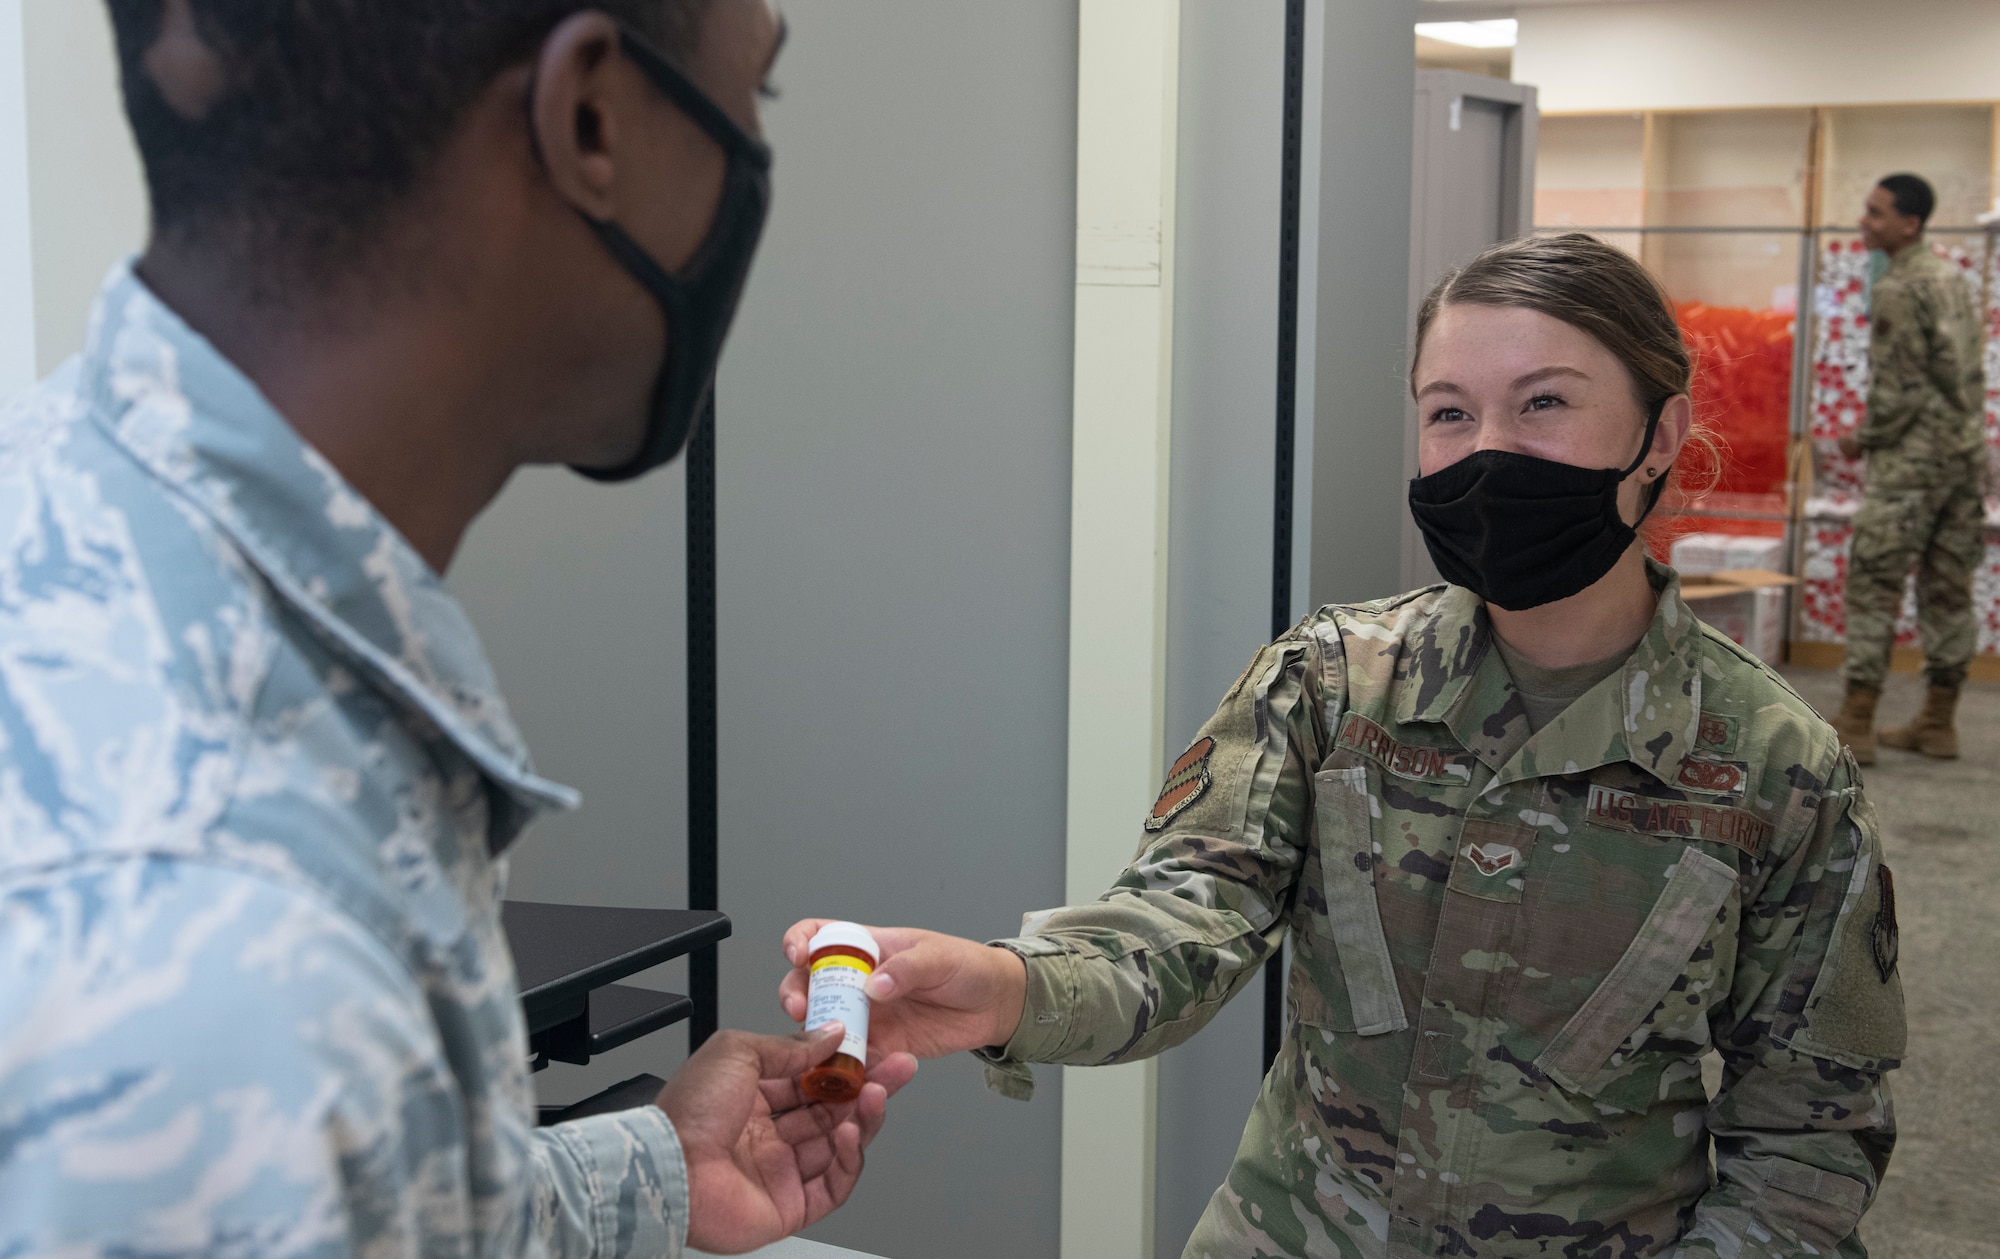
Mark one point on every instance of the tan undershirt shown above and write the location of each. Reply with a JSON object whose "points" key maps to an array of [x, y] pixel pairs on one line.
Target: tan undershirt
{"points": [[1545, 693]]}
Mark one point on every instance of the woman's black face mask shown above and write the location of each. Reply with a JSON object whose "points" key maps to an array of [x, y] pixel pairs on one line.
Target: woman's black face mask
{"points": [[700, 301], [1519, 531]]}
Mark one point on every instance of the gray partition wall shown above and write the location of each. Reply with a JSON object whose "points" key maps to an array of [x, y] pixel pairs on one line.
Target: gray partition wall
{"points": [[893, 483], [893, 494]]}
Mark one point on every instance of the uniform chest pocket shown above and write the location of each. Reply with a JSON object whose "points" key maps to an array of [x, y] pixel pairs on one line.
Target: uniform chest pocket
{"points": [[1656, 992], [1345, 814]]}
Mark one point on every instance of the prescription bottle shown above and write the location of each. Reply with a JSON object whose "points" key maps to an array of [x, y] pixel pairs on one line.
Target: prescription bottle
{"points": [[841, 957]]}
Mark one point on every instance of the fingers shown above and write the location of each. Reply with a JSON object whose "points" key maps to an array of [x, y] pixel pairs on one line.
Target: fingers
{"points": [[792, 995], [783, 1058], [832, 1187], [799, 935], [892, 1073]]}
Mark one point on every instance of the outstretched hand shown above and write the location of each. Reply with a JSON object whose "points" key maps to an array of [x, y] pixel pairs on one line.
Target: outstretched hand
{"points": [[933, 994], [762, 1162]]}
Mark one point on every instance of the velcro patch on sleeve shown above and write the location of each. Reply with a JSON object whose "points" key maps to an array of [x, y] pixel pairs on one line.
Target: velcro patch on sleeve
{"points": [[1188, 780], [1687, 819]]}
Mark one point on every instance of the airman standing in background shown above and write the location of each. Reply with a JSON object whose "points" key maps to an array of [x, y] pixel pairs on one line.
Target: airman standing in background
{"points": [[1925, 502]]}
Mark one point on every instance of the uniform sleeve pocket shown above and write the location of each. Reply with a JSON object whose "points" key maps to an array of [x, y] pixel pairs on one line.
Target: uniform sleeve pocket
{"points": [[1583, 1056], [1345, 812]]}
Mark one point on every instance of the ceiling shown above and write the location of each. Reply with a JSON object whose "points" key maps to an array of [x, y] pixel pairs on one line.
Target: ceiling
{"points": [[1467, 10]]}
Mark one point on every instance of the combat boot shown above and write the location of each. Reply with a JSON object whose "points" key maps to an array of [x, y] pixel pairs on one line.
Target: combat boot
{"points": [[1855, 723], [1932, 733]]}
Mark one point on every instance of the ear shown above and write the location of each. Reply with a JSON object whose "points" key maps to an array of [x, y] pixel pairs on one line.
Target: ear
{"points": [[1676, 421], [574, 112]]}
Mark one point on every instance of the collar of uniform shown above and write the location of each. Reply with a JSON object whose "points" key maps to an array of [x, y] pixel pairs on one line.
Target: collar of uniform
{"points": [[187, 414], [1910, 256], [1456, 678]]}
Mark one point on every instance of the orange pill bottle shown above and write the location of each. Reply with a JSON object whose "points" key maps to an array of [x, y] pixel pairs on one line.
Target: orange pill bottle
{"points": [[841, 957]]}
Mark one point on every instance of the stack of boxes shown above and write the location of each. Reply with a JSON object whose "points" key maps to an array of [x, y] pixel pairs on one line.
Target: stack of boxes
{"points": [[1733, 582]]}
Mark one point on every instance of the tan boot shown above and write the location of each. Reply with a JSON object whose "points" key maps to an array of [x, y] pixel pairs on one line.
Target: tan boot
{"points": [[1855, 722], [1932, 733]]}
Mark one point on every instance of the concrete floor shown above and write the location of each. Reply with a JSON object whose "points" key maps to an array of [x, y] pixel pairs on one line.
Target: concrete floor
{"points": [[1941, 835]]}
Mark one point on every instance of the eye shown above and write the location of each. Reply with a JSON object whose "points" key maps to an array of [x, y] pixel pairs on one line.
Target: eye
{"points": [[1448, 415], [1545, 402]]}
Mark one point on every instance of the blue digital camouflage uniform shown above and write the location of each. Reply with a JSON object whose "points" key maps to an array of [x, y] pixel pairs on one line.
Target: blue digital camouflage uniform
{"points": [[256, 782], [1510, 950]]}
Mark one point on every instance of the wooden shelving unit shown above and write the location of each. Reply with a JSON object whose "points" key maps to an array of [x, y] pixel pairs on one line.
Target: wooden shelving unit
{"points": [[1746, 216]]}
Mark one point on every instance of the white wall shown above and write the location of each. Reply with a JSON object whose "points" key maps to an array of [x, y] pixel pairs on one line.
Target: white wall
{"points": [[17, 245], [1701, 54], [87, 196]]}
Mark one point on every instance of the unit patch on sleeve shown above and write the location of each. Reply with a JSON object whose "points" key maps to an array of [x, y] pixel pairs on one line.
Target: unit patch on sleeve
{"points": [[1688, 819], [1436, 765], [1187, 781]]}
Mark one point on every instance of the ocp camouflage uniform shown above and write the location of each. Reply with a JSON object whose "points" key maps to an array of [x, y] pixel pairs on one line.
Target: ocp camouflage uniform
{"points": [[1510, 950], [1925, 438]]}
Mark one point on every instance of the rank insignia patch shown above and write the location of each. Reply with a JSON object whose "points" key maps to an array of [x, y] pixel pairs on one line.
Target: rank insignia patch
{"points": [[1492, 859], [1187, 782], [1887, 944]]}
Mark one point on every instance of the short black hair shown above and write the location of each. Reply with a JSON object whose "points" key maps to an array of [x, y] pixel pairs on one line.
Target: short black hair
{"points": [[1913, 195], [332, 109]]}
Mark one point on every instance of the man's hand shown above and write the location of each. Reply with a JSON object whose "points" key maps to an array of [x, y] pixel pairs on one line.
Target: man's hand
{"points": [[933, 995], [1850, 445], [762, 1163]]}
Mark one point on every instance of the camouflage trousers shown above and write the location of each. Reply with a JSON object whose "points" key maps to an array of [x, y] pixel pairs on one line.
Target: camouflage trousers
{"points": [[1930, 517]]}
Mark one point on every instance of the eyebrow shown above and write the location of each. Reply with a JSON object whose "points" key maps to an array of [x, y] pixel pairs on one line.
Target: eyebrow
{"points": [[1535, 377]]}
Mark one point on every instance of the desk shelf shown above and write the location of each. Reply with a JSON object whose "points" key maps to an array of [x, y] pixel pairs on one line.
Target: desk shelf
{"points": [[569, 958]]}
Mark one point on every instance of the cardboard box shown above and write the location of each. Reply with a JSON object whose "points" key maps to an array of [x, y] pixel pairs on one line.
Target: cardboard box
{"points": [[1745, 604], [1727, 552]]}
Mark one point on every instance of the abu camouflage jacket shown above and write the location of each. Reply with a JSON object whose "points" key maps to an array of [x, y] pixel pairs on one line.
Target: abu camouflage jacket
{"points": [[1926, 363], [256, 784], [1510, 950]]}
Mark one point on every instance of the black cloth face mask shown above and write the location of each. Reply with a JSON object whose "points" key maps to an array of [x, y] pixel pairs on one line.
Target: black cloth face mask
{"points": [[1519, 531], [700, 301]]}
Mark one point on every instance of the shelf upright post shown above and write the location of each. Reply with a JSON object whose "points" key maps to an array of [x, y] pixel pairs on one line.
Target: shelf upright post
{"points": [[703, 803], [1804, 329], [1291, 165]]}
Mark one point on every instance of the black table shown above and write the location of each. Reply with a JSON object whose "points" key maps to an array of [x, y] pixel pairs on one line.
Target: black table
{"points": [[569, 957]]}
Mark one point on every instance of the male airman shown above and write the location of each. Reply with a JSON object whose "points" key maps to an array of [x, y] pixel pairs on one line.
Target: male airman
{"points": [[1924, 506]]}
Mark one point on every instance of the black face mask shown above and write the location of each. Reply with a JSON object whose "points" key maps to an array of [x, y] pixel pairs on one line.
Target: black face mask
{"points": [[700, 301], [1519, 531]]}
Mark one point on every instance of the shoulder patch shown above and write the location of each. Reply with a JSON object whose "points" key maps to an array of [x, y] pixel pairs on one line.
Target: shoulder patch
{"points": [[1188, 780]]}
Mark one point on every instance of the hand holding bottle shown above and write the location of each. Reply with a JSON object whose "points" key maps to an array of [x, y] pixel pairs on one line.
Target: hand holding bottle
{"points": [[933, 994]]}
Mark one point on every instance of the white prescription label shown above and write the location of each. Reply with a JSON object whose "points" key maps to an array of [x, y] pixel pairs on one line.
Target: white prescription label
{"points": [[835, 996]]}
